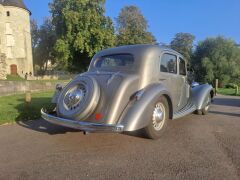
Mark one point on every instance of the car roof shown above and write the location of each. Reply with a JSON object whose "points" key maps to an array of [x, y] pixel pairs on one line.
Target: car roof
{"points": [[135, 49]]}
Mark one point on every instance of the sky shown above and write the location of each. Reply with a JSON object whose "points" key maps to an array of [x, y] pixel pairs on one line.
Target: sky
{"points": [[202, 18]]}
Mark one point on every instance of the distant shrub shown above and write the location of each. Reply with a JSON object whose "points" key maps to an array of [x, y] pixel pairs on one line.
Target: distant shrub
{"points": [[14, 78], [230, 85]]}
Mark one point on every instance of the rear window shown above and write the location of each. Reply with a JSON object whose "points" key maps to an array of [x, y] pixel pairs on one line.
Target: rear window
{"points": [[115, 60]]}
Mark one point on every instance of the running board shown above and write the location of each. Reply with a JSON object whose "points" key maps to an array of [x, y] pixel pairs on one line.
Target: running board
{"points": [[188, 109]]}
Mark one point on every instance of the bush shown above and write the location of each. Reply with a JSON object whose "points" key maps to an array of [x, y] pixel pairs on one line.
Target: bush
{"points": [[14, 78], [231, 85]]}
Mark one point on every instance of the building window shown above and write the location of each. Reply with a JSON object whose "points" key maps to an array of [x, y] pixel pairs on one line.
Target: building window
{"points": [[8, 13], [8, 29], [9, 53], [10, 40]]}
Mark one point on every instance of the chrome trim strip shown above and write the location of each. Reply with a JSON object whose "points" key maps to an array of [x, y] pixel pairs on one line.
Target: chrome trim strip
{"points": [[84, 126]]}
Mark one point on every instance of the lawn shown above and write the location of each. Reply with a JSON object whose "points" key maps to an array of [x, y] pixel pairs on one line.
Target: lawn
{"points": [[14, 78], [13, 108], [227, 91]]}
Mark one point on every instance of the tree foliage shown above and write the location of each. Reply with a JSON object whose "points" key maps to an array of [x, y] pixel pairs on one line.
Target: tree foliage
{"points": [[217, 58], [43, 41], [34, 33], [82, 30], [183, 43], [132, 27], [35, 39]]}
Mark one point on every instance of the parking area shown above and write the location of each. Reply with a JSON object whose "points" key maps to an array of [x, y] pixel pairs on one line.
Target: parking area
{"points": [[193, 147]]}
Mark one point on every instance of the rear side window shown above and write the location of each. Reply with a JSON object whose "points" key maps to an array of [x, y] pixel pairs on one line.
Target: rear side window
{"points": [[169, 63], [182, 67], [116, 60]]}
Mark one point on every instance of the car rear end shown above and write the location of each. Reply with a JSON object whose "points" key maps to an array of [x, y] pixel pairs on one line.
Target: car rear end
{"points": [[95, 100]]}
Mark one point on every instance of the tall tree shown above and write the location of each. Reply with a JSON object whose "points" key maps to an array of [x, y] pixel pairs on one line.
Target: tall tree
{"points": [[46, 39], [217, 58], [34, 33], [132, 27], [183, 43], [82, 30], [35, 38]]}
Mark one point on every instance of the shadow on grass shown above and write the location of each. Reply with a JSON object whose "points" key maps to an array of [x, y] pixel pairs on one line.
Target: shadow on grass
{"points": [[27, 113]]}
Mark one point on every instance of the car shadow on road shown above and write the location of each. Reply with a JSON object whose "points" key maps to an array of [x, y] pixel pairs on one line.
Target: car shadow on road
{"points": [[45, 127], [227, 102], [138, 134], [225, 113]]}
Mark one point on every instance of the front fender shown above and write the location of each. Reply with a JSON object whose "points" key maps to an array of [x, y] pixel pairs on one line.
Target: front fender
{"points": [[137, 114], [200, 95]]}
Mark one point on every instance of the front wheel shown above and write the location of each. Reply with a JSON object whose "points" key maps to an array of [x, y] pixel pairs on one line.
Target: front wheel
{"points": [[159, 119], [205, 109]]}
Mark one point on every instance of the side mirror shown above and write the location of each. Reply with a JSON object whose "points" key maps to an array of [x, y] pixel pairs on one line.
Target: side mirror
{"points": [[190, 76], [189, 69]]}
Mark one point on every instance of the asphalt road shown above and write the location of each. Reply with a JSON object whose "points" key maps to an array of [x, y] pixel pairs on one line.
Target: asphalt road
{"points": [[193, 147]]}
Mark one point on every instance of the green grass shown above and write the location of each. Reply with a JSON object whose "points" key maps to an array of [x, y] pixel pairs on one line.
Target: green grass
{"points": [[13, 108], [227, 91], [14, 78]]}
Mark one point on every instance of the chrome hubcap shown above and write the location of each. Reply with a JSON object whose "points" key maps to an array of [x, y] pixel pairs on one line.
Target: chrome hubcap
{"points": [[158, 117], [74, 97]]}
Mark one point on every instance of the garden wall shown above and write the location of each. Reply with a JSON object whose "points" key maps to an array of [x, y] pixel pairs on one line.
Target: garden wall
{"points": [[17, 87]]}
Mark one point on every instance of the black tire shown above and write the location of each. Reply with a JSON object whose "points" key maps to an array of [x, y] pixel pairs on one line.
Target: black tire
{"points": [[204, 112], [89, 93], [150, 131], [199, 112], [206, 108]]}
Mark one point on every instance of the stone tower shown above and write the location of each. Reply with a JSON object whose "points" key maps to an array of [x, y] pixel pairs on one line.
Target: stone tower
{"points": [[15, 37]]}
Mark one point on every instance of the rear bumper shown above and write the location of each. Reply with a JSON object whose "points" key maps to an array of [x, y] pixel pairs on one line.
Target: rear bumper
{"points": [[84, 126]]}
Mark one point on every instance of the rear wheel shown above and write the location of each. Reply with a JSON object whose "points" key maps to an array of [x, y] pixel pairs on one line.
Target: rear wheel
{"points": [[159, 119]]}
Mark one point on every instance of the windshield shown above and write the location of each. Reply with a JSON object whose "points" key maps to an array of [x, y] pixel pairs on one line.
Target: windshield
{"points": [[115, 60]]}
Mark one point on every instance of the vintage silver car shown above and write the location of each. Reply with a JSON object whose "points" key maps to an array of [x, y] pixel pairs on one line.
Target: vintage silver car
{"points": [[130, 88]]}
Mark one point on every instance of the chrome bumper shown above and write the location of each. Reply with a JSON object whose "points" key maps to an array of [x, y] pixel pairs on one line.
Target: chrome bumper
{"points": [[84, 126]]}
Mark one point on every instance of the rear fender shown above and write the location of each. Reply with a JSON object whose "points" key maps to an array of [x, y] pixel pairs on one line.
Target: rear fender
{"points": [[137, 114], [200, 95], [56, 96]]}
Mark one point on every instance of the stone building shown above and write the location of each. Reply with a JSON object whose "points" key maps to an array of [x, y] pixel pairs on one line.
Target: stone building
{"points": [[15, 37], [3, 67]]}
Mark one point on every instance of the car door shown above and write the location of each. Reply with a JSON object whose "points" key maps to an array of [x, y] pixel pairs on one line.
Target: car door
{"points": [[184, 86], [168, 76]]}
